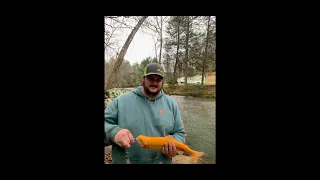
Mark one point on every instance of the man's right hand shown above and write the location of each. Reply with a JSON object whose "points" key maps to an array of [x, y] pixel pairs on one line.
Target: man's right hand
{"points": [[124, 138]]}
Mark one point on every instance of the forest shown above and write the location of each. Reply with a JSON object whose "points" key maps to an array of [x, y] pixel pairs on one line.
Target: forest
{"points": [[184, 45]]}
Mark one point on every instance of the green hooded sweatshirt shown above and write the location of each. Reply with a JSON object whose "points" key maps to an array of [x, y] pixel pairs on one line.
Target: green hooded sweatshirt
{"points": [[142, 116]]}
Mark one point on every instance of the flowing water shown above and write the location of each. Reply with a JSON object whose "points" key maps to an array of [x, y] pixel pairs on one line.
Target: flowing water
{"points": [[199, 117]]}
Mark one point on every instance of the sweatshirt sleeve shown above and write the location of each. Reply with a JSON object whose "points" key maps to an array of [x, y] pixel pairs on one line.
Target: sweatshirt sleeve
{"points": [[111, 121], [178, 130]]}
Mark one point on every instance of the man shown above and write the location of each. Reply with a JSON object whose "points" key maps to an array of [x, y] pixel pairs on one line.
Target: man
{"points": [[147, 111]]}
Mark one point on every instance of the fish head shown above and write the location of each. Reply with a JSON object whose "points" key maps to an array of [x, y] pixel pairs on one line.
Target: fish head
{"points": [[141, 141]]}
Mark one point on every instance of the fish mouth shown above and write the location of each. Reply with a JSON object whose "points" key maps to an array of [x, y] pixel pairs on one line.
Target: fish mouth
{"points": [[144, 146], [141, 143]]}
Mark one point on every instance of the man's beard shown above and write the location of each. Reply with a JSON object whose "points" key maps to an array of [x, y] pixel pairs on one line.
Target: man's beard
{"points": [[147, 91]]}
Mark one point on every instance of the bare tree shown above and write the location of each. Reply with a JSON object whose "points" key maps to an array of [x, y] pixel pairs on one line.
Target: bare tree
{"points": [[161, 24], [156, 25], [205, 51], [156, 47], [122, 53], [114, 28], [177, 54], [186, 57]]}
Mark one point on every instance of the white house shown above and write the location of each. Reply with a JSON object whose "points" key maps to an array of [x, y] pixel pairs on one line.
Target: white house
{"points": [[191, 80]]}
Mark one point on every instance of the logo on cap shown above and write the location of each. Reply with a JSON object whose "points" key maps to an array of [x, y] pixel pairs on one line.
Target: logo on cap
{"points": [[159, 70]]}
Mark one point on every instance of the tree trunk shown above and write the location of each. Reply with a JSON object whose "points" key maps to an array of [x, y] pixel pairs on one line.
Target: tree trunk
{"points": [[160, 40], [205, 52], [168, 70], [123, 51], [186, 58], [177, 58], [155, 48], [180, 69]]}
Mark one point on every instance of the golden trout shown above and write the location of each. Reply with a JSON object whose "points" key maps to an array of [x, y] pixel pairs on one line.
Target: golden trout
{"points": [[156, 143]]}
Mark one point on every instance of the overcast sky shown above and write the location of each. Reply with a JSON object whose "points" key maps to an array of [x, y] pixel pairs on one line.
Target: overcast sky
{"points": [[141, 46]]}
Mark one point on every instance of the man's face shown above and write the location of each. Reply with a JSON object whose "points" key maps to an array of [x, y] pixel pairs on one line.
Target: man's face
{"points": [[152, 84]]}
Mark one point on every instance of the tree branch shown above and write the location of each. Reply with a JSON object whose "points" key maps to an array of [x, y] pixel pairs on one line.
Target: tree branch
{"points": [[117, 27], [123, 23], [150, 26], [122, 53], [158, 22], [110, 47], [112, 17]]}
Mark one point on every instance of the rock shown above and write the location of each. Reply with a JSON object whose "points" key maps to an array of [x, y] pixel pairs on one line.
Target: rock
{"points": [[107, 149], [182, 159], [107, 155], [108, 158]]}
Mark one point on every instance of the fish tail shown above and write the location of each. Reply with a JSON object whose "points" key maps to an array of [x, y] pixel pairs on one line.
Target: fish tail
{"points": [[195, 155]]}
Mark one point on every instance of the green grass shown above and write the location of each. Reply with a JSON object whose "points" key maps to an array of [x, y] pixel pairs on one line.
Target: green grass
{"points": [[206, 91]]}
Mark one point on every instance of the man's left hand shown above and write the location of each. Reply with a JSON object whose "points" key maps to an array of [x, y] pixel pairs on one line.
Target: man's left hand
{"points": [[169, 150]]}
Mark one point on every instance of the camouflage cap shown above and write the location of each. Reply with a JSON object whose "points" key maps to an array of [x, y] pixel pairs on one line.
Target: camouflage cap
{"points": [[153, 68]]}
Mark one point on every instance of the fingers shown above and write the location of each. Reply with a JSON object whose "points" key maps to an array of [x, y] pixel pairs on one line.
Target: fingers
{"points": [[169, 149], [125, 141], [166, 149], [131, 138], [125, 144], [124, 138], [174, 150]]}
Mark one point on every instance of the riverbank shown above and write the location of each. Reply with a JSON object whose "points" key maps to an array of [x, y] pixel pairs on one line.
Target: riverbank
{"points": [[206, 91]]}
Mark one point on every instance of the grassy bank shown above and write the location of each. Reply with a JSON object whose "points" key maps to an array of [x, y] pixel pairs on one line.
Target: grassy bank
{"points": [[206, 91]]}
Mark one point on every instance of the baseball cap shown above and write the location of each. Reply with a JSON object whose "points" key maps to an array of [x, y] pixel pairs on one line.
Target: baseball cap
{"points": [[153, 68]]}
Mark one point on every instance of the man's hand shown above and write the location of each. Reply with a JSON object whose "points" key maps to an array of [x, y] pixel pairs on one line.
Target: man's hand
{"points": [[124, 138], [169, 150]]}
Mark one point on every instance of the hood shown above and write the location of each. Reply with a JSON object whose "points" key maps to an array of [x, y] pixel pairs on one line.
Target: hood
{"points": [[138, 91]]}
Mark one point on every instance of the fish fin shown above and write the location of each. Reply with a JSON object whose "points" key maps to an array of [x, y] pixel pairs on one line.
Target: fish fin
{"points": [[195, 155], [180, 152]]}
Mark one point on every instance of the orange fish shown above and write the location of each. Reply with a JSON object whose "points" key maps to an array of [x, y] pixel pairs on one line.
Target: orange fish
{"points": [[156, 143]]}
